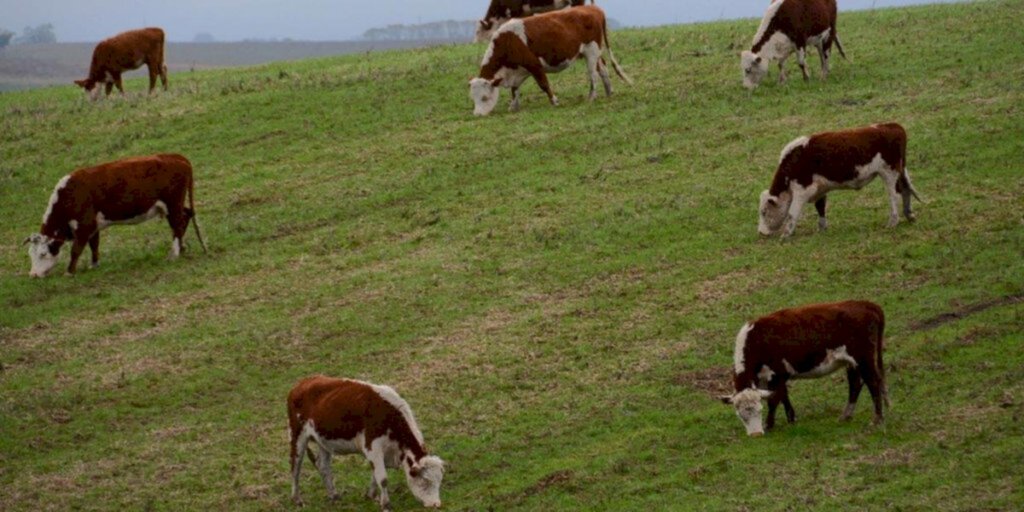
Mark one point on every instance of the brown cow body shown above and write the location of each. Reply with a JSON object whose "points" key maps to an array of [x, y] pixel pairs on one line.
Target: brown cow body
{"points": [[501, 11], [342, 416], [125, 52], [535, 46], [804, 343], [788, 26], [811, 167], [127, 191]]}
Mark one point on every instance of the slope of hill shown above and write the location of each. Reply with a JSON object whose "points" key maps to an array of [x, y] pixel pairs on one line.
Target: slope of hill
{"points": [[556, 292]]}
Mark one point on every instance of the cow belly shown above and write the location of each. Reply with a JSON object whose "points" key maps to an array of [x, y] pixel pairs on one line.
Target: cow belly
{"points": [[819, 39], [343, 446], [159, 209], [557, 68]]}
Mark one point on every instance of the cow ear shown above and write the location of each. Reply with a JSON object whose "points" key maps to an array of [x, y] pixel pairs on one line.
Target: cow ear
{"points": [[54, 247], [726, 399], [415, 470], [496, 82], [757, 60], [27, 240], [772, 201]]}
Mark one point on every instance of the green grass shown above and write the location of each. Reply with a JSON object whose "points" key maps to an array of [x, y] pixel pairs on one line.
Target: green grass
{"points": [[556, 292]]}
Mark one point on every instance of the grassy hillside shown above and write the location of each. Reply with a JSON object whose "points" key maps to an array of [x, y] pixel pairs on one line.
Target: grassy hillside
{"points": [[556, 292]]}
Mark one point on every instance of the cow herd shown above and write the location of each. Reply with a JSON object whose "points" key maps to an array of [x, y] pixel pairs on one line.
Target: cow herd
{"points": [[330, 417]]}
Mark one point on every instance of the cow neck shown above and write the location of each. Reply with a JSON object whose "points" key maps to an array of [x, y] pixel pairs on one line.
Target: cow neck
{"points": [[780, 183], [54, 228], [744, 380]]}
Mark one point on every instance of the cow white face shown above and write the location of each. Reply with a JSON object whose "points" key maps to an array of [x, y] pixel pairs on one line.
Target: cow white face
{"points": [[754, 68], [43, 252], [484, 94], [772, 213], [748, 407], [424, 480]]}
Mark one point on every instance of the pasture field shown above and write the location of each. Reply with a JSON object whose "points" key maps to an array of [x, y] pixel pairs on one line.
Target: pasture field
{"points": [[556, 292]]}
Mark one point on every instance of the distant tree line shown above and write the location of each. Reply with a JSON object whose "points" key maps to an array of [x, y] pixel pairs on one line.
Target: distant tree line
{"points": [[31, 35], [450, 30]]}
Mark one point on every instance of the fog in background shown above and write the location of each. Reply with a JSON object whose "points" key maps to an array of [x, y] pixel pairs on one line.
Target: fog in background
{"points": [[329, 20]]}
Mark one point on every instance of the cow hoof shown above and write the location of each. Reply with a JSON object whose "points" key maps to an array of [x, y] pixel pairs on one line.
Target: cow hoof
{"points": [[878, 420], [845, 418], [298, 501], [94, 264], [554, 101]]}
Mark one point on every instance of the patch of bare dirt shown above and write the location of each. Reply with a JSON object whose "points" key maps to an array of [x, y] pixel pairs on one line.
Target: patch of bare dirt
{"points": [[555, 479], [714, 381], [964, 312]]}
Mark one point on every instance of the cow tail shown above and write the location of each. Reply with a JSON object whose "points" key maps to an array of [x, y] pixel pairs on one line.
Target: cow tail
{"points": [[611, 56], [835, 37], [905, 183], [192, 205]]}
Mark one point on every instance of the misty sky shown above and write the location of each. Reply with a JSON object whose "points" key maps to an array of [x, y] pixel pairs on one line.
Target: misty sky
{"points": [[327, 20]]}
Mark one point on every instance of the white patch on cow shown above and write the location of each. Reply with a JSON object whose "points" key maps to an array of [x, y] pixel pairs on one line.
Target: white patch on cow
{"points": [[159, 209], [789, 368], [176, 248], [741, 343], [516, 27], [769, 15], [778, 47], [868, 171], [834, 360], [74, 224], [798, 142], [392, 397], [484, 95], [55, 196], [748, 407], [765, 375], [819, 39]]}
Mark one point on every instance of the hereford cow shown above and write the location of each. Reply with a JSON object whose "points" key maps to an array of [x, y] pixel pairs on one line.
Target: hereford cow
{"points": [[127, 191], [790, 25], [501, 11], [535, 46], [811, 167], [125, 52], [342, 416], [806, 343]]}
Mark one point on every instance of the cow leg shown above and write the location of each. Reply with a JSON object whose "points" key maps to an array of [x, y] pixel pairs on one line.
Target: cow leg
{"points": [[823, 52], [375, 454], [796, 208], [602, 69], [872, 377], [178, 220], [371, 493], [822, 221], [514, 106], [592, 51], [153, 71], [94, 247], [537, 70], [856, 383], [109, 86], [163, 75], [782, 70], [907, 192], [801, 59], [81, 240], [300, 440], [117, 82], [890, 179], [323, 464], [790, 412]]}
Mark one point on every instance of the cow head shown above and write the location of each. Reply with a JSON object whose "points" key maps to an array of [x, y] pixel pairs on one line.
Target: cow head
{"points": [[43, 252], [484, 30], [424, 479], [754, 68], [748, 408], [773, 212], [485, 94], [89, 85]]}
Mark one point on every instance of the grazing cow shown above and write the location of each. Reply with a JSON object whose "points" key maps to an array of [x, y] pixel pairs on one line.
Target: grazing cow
{"points": [[127, 191], [811, 167], [790, 25], [806, 343], [124, 52], [535, 46], [501, 11], [342, 416]]}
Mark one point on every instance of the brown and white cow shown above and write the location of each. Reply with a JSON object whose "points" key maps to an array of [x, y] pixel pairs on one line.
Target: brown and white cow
{"points": [[127, 191], [806, 343], [788, 26], [124, 52], [343, 416], [811, 167], [535, 46], [501, 11]]}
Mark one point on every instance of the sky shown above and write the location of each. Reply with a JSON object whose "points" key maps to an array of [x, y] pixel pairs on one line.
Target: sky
{"points": [[328, 20]]}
